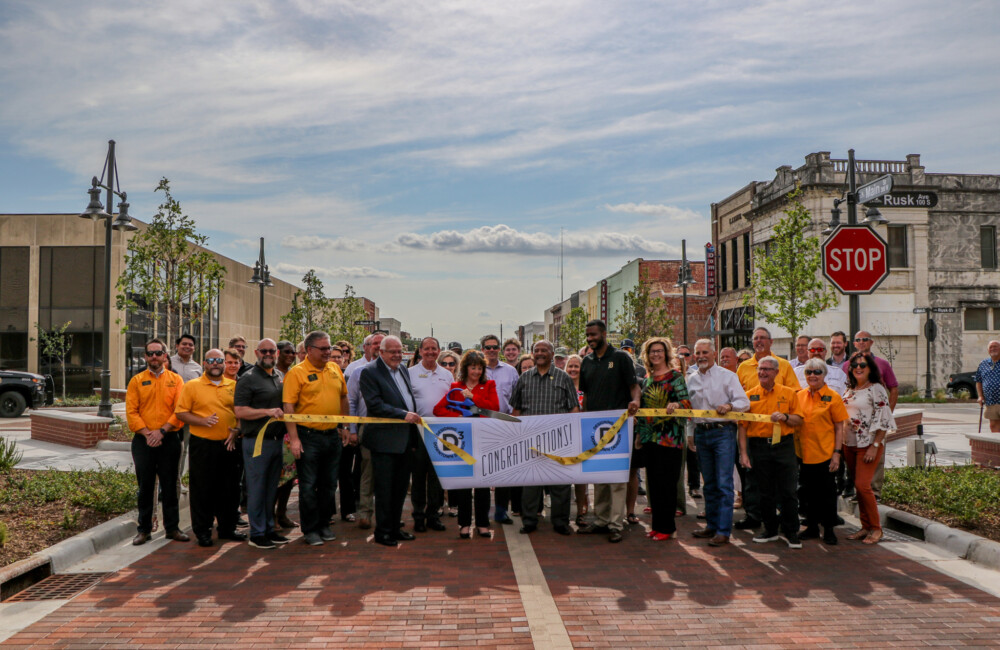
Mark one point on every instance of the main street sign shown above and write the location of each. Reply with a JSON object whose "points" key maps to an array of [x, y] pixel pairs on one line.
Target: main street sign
{"points": [[855, 259], [874, 189]]}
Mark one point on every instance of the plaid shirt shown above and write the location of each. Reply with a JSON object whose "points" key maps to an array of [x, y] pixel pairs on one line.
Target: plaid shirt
{"points": [[536, 394]]}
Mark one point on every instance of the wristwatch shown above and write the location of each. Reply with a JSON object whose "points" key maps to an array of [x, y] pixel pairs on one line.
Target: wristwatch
{"points": [[876, 444]]}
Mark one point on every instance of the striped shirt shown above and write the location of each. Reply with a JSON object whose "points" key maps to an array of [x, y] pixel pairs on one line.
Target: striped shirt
{"points": [[538, 394]]}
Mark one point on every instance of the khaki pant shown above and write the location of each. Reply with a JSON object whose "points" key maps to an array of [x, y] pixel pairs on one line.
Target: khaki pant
{"points": [[609, 505]]}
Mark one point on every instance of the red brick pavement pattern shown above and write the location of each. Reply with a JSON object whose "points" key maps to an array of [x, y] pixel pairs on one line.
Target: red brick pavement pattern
{"points": [[438, 591], [641, 593]]}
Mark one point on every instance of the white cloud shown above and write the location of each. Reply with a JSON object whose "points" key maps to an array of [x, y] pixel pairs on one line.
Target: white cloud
{"points": [[316, 243], [350, 272], [653, 210], [504, 239]]}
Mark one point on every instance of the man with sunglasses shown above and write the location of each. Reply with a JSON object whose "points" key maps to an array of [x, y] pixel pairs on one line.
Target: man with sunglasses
{"points": [[206, 406], [258, 399], [150, 402], [316, 387], [430, 382], [836, 378], [505, 377], [863, 343]]}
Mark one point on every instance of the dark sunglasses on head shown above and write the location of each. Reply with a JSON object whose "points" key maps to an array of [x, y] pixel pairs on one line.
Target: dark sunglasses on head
{"points": [[215, 360], [859, 364], [155, 353], [814, 372]]}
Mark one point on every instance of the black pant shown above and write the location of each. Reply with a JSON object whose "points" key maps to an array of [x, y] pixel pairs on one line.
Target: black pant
{"points": [[532, 499], [693, 471], [508, 499], [317, 469], [426, 495], [751, 495], [150, 463], [819, 487], [215, 486], [663, 472], [464, 498], [390, 478], [349, 456], [775, 473]]}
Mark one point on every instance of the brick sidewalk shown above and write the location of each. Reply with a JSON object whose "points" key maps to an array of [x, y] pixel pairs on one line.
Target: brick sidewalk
{"points": [[442, 591]]}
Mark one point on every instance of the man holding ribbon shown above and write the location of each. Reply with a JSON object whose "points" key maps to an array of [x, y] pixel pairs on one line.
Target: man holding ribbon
{"points": [[316, 387], [767, 449]]}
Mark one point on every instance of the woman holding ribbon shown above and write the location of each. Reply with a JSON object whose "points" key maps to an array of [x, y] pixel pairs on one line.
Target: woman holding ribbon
{"points": [[661, 440], [867, 403], [471, 385], [573, 364]]}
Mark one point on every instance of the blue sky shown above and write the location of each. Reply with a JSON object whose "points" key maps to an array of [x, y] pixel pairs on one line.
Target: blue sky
{"points": [[429, 153]]}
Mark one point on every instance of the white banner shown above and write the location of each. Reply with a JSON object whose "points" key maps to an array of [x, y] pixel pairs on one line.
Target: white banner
{"points": [[511, 453]]}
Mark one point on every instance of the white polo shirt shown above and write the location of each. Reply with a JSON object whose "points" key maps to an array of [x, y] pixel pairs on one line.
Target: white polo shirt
{"points": [[429, 386]]}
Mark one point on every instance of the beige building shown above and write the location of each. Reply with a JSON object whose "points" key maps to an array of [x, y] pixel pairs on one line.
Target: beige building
{"points": [[52, 272]]}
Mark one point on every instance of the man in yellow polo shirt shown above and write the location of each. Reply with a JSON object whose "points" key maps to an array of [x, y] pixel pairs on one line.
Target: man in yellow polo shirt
{"points": [[747, 371], [316, 387], [772, 464], [820, 438], [206, 406]]}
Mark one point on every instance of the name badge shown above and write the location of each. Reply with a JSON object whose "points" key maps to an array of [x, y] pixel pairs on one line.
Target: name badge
{"points": [[754, 398], [611, 364], [146, 383], [313, 377], [826, 398]]}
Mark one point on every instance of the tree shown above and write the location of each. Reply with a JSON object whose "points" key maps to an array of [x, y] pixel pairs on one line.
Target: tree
{"points": [[573, 332], [165, 266], [342, 316], [786, 288], [55, 345], [310, 308], [643, 315]]}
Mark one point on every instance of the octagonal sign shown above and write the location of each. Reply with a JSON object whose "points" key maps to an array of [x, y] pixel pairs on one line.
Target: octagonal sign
{"points": [[855, 259]]}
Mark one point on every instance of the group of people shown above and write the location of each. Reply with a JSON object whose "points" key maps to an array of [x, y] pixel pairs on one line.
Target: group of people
{"points": [[245, 453]]}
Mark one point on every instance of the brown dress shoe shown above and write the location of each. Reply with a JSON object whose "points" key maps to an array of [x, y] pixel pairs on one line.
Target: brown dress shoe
{"points": [[364, 524], [140, 539], [719, 540], [178, 536], [703, 533]]}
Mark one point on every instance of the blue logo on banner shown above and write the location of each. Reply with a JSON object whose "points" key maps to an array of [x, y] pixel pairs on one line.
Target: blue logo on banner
{"points": [[446, 462], [614, 456]]}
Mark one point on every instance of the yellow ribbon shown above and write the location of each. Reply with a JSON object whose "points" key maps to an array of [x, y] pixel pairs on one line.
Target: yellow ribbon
{"points": [[352, 419], [579, 458]]}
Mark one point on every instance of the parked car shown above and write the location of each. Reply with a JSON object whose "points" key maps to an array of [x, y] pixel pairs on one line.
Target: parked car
{"points": [[21, 390], [963, 381]]}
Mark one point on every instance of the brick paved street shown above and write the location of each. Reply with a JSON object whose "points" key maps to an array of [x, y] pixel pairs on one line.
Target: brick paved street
{"points": [[443, 591]]}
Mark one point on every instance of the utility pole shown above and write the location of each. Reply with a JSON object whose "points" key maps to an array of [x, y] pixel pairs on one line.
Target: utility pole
{"points": [[853, 300], [683, 280]]}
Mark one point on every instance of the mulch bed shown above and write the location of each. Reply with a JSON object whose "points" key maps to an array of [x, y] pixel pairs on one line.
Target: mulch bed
{"points": [[119, 434], [988, 526], [32, 528]]}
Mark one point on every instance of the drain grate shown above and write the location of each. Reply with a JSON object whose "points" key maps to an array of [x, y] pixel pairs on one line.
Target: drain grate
{"points": [[61, 586]]}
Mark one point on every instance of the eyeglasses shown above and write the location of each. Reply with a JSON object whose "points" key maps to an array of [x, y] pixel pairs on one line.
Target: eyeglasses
{"points": [[155, 353], [240, 347], [814, 372], [268, 351], [326, 348], [817, 349], [448, 364], [766, 369], [215, 360], [491, 347], [859, 364], [863, 339]]}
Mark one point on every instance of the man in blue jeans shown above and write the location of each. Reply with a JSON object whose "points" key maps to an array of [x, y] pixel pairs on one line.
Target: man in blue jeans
{"points": [[712, 387]]}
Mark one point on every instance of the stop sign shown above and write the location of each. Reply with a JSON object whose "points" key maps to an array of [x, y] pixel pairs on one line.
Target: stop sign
{"points": [[855, 260]]}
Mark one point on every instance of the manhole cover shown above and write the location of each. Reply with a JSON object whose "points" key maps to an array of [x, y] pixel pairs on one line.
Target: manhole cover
{"points": [[61, 586]]}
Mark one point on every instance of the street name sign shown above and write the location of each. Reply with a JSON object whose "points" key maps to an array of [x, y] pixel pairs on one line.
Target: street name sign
{"points": [[920, 310], [365, 322], [855, 260], [906, 199], [943, 310], [876, 188]]}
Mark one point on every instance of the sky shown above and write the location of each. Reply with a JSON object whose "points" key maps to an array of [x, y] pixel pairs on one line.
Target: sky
{"points": [[430, 153]]}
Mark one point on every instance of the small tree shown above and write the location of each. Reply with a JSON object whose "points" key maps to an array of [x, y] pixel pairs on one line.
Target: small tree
{"points": [[310, 309], [55, 345], [884, 341], [164, 266], [786, 288], [643, 315], [340, 323], [573, 332]]}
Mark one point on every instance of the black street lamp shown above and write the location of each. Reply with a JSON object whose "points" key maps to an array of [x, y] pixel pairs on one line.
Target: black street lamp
{"points": [[684, 280], [122, 222], [261, 276]]}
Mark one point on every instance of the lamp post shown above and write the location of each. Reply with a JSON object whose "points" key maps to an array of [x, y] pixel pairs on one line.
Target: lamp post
{"points": [[122, 222], [261, 276], [684, 280]]}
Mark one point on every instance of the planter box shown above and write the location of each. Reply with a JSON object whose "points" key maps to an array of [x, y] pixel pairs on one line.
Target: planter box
{"points": [[906, 423], [985, 449], [81, 430]]}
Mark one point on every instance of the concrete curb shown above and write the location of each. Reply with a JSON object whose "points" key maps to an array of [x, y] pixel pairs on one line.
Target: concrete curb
{"points": [[113, 445], [965, 545], [90, 542]]}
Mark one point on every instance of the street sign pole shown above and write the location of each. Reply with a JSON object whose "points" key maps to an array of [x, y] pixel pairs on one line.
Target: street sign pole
{"points": [[853, 300]]}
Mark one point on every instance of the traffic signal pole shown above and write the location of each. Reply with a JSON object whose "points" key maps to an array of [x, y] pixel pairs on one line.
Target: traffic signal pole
{"points": [[853, 300]]}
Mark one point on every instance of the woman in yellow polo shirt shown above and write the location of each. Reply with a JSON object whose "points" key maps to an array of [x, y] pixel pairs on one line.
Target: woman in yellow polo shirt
{"points": [[820, 438]]}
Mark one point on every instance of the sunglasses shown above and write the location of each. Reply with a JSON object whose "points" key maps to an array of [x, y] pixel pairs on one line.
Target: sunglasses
{"points": [[817, 349], [859, 364], [326, 348], [862, 339], [448, 364], [268, 351], [155, 353], [215, 360], [766, 369], [684, 354], [814, 372], [491, 347]]}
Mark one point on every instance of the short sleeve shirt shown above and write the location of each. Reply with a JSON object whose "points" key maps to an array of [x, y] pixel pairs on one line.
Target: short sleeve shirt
{"points": [[781, 399], [607, 381], [538, 394], [429, 386], [315, 391], [988, 374], [747, 372], [202, 397], [820, 411], [259, 390]]}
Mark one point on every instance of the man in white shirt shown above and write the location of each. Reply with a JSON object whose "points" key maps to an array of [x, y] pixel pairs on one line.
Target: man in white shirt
{"points": [[801, 353], [712, 387], [505, 377], [429, 382], [836, 378], [182, 363], [366, 494]]}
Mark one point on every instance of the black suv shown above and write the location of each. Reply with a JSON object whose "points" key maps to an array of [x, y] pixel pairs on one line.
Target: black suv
{"points": [[963, 380], [21, 390]]}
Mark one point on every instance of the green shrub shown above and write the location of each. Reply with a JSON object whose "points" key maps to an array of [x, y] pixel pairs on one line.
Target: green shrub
{"points": [[71, 519], [106, 490], [10, 455], [968, 493], [4, 534], [962, 393]]}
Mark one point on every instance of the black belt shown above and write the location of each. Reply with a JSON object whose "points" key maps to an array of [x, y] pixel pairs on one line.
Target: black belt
{"points": [[714, 425]]}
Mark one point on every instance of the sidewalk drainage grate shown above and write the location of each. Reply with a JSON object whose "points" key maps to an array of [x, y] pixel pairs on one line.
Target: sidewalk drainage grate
{"points": [[61, 586]]}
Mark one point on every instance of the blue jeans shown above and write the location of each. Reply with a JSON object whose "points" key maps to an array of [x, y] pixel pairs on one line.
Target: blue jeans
{"points": [[717, 457], [317, 469], [262, 475]]}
